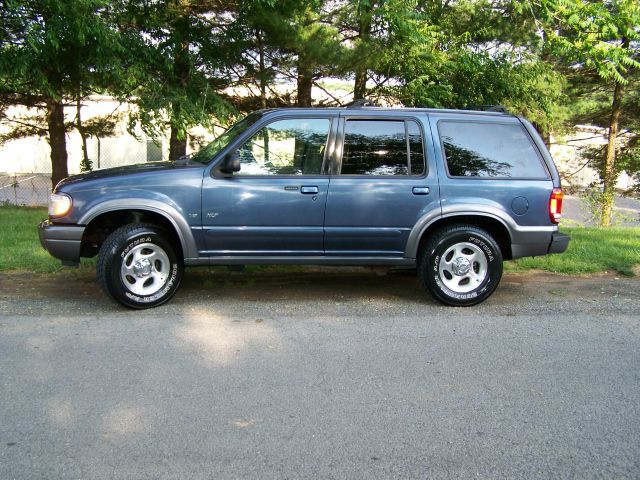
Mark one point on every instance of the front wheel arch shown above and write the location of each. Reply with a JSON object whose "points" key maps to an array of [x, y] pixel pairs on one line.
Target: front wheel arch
{"points": [[100, 227]]}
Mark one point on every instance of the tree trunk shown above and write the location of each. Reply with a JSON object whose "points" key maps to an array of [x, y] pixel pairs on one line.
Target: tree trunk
{"points": [[85, 164], [305, 83], [544, 133], [360, 85], [178, 137], [262, 76], [57, 140], [365, 10], [609, 175], [177, 145]]}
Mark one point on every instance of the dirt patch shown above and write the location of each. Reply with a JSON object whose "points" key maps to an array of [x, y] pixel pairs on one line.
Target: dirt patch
{"points": [[297, 283]]}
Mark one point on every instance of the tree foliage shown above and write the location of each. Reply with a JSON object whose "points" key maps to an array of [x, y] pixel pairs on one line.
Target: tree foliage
{"points": [[597, 44], [180, 52], [52, 55], [184, 63]]}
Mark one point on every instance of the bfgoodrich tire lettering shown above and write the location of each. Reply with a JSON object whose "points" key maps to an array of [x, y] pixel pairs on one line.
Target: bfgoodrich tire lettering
{"points": [[460, 265], [139, 267]]}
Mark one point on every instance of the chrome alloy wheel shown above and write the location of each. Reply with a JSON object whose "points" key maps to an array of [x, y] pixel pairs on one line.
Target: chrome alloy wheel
{"points": [[463, 267], [145, 269]]}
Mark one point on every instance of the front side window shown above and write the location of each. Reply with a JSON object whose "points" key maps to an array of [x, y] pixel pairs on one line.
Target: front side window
{"points": [[286, 147], [382, 147], [210, 151], [489, 150]]}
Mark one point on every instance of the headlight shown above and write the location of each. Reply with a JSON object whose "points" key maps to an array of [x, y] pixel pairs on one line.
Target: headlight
{"points": [[59, 205]]}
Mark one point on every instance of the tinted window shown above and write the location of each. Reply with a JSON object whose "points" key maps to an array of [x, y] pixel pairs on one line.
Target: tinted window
{"points": [[286, 147], [416, 151], [207, 153], [489, 150], [374, 147]]}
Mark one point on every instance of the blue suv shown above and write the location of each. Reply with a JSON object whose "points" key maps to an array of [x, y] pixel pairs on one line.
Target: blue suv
{"points": [[452, 193]]}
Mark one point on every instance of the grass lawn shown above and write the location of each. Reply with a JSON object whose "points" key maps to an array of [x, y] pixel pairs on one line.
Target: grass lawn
{"points": [[591, 250], [20, 248]]}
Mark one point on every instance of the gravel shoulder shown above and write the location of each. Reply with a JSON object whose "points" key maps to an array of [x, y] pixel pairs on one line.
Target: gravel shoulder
{"points": [[319, 291]]}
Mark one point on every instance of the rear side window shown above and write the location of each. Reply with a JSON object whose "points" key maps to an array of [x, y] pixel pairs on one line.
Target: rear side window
{"points": [[489, 150], [382, 147]]}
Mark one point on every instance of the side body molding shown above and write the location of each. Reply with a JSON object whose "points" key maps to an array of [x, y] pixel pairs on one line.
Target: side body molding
{"points": [[536, 235], [178, 221]]}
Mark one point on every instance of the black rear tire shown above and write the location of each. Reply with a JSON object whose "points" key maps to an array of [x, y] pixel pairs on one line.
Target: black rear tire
{"points": [[460, 265], [139, 266]]}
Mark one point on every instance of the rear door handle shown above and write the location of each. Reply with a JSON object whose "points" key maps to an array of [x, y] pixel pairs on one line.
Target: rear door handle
{"points": [[421, 190], [308, 190]]}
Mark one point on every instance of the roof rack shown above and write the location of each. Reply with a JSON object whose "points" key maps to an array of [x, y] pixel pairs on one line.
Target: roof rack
{"points": [[361, 102], [489, 108]]}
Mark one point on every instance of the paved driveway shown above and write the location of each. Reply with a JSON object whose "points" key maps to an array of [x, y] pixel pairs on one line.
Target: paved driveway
{"points": [[320, 375]]}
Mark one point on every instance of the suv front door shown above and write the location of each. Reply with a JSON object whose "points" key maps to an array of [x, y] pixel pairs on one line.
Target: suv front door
{"points": [[382, 182], [274, 206]]}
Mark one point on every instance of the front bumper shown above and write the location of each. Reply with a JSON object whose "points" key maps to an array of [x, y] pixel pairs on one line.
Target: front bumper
{"points": [[61, 241], [559, 242]]}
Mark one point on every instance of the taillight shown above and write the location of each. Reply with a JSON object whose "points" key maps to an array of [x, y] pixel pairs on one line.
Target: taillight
{"points": [[555, 205]]}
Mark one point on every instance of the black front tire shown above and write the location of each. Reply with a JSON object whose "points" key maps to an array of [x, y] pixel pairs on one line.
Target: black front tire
{"points": [[460, 265], [139, 266]]}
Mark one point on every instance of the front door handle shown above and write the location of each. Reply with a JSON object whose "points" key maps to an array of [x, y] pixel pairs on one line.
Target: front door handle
{"points": [[308, 190], [421, 190]]}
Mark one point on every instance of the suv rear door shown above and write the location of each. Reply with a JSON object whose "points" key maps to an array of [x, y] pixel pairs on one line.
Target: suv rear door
{"points": [[383, 180]]}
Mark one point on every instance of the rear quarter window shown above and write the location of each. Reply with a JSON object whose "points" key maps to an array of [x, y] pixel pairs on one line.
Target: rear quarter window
{"points": [[489, 150]]}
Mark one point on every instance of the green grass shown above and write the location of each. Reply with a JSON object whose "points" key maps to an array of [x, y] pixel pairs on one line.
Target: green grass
{"points": [[20, 248], [591, 250]]}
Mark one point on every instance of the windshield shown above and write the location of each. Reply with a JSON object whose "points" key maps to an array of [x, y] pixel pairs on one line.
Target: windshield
{"points": [[206, 154]]}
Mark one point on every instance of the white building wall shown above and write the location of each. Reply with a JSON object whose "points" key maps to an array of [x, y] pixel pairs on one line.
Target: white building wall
{"points": [[32, 154]]}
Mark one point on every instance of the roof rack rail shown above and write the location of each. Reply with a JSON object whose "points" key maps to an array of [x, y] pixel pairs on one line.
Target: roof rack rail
{"points": [[489, 108], [361, 102]]}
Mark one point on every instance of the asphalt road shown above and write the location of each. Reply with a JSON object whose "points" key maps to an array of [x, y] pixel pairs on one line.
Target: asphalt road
{"points": [[626, 212], [320, 374]]}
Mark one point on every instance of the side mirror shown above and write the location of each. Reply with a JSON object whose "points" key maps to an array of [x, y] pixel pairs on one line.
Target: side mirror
{"points": [[231, 163]]}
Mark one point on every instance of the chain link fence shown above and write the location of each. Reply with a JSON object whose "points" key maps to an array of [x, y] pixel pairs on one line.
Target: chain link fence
{"points": [[29, 184], [31, 189]]}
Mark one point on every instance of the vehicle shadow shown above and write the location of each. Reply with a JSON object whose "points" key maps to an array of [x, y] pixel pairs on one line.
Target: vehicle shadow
{"points": [[304, 283], [71, 291]]}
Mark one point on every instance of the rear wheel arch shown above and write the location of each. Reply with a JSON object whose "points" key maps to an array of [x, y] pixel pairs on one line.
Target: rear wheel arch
{"points": [[495, 227]]}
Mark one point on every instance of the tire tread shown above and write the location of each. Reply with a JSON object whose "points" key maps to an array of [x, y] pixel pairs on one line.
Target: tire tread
{"points": [[427, 251], [109, 248]]}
